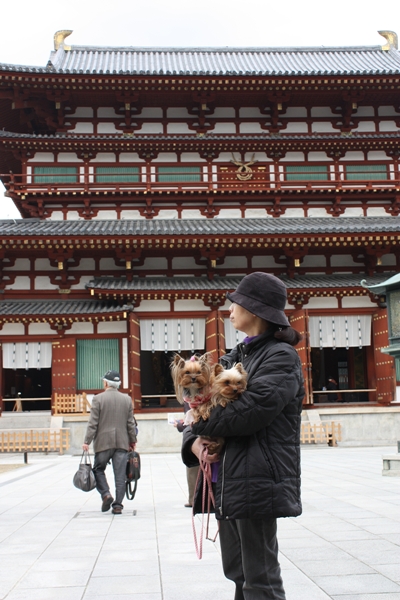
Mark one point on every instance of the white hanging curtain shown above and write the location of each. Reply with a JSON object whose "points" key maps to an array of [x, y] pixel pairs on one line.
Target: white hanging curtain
{"points": [[29, 355], [172, 334], [233, 337], [340, 331]]}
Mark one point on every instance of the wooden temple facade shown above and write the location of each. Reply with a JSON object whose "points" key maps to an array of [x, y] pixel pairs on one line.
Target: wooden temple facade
{"points": [[149, 181]]}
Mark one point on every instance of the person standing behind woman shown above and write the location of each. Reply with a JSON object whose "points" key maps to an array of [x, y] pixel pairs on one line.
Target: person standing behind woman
{"points": [[258, 471]]}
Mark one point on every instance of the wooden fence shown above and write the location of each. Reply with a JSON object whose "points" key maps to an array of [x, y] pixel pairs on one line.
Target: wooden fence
{"points": [[34, 440], [325, 432], [67, 404]]}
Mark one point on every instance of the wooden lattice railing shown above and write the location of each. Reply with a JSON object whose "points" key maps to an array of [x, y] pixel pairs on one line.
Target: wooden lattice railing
{"points": [[67, 404], [34, 440], [325, 432]]}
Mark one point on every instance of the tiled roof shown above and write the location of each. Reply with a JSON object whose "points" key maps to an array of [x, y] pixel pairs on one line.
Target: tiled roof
{"points": [[159, 284], [365, 60], [56, 307], [199, 227]]}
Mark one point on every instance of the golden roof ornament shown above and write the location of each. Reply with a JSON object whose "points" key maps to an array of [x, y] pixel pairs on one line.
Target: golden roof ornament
{"points": [[59, 38], [391, 38]]}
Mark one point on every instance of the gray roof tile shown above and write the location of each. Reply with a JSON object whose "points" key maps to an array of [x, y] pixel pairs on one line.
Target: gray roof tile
{"points": [[159, 284], [363, 60], [199, 227], [56, 307]]}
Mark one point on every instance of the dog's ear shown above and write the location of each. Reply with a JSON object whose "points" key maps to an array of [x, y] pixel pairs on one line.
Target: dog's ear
{"points": [[178, 361], [218, 369], [240, 368]]}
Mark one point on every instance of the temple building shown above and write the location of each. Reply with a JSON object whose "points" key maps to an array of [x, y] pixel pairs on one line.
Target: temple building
{"points": [[151, 180]]}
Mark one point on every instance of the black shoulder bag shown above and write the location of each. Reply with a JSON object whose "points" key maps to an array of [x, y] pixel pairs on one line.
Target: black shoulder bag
{"points": [[132, 474]]}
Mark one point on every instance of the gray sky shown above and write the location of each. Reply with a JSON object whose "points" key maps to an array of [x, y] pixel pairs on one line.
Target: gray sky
{"points": [[27, 30]]}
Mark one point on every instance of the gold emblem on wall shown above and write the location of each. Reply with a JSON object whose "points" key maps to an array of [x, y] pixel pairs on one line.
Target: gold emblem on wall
{"points": [[244, 172]]}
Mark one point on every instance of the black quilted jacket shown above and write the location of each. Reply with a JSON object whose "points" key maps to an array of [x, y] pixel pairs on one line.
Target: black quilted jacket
{"points": [[259, 471]]}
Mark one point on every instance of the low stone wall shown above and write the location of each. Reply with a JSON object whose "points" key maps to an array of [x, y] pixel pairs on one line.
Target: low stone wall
{"points": [[361, 426]]}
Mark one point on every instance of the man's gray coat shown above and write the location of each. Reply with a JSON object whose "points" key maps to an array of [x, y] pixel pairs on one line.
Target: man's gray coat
{"points": [[111, 422]]}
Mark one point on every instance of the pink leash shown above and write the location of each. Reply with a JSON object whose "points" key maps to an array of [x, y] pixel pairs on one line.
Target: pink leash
{"points": [[207, 496]]}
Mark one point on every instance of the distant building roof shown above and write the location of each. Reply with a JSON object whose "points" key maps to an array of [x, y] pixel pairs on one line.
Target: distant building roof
{"points": [[363, 60], [57, 308], [199, 227]]}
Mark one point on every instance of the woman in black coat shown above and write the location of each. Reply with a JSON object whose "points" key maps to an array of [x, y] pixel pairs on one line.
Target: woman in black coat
{"points": [[257, 475]]}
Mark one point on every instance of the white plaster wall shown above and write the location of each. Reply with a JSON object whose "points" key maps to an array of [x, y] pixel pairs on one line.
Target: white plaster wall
{"points": [[21, 264], [345, 260], [314, 261], [107, 112], [251, 112], [190, 306], [108, 264], [56, 216], [182, 262], [365, 111], [224, 157], [192, 214], [43, 283], [12, 329], [258, 156], [388, 126], [229, 214], [111, 327], [263, 262], [82, 112], [154, 112], [316, 212], [352, 155], [40, 329], [42, 157], [153, 263], [293, 157], [43, 264], [297, 112], [105, 157], [388, 260], [84, 265], [154, 306], [168, 214], [150, 128], [106, 215], [377, 155], [223, 112], [20, 283], [232, 262], [224, 128], [178, 128], [387, 111], [82, 282], [106, 128], [322, 111], [83, 128], [353, 212], [178, 113], [256, 213], [73, 215], [322, 303], [166, 157], [250, 128], [357, 302], [317, 156], [130, 157], [84, 328], [376, 211], [293, 127], [126, 215], [192, 157], [294, 213], [365, 126], [322, 127]]}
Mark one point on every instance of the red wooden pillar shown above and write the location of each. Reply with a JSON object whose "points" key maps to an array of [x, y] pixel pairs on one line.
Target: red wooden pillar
{"points": [[384, 379], [212, 335], [63, 367], [134, 360], [1, 380], [221, 335], [299, 321]]}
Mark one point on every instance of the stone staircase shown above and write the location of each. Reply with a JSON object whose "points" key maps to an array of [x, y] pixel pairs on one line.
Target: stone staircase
{"points": [[31, 420]]}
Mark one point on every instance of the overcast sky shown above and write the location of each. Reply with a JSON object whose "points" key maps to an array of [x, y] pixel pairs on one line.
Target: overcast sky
{"points": [[27, 29]]}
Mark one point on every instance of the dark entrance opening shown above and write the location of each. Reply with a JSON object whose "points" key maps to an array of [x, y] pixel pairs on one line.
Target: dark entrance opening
{"points": [[32, 384], [347, 367]]}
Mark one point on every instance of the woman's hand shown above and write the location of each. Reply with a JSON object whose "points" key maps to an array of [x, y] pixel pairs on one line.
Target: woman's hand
{"points": [[198, 448]]}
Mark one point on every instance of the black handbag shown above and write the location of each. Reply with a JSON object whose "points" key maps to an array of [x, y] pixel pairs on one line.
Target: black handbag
{"points": [[84, 478], [132, 474]]}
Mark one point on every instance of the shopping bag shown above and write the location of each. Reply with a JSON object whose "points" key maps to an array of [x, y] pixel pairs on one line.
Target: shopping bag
{"points": [[84, 478]]}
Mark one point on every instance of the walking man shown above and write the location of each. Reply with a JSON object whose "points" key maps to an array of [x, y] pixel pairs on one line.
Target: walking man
{"points": [[112, 428]]}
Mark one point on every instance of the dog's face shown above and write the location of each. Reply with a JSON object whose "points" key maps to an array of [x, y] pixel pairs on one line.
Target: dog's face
{"points": [[190, 375], [229, 383]]}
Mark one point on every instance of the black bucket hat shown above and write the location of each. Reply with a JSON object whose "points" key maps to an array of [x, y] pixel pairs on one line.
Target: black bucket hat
{"points": [[263, 295]]}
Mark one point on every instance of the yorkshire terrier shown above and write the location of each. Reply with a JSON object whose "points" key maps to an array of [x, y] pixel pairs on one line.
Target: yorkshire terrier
{"points": [[204, 386]]}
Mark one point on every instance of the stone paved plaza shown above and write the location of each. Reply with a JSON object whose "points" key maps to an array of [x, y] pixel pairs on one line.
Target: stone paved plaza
{"points": [[55, 544]]}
